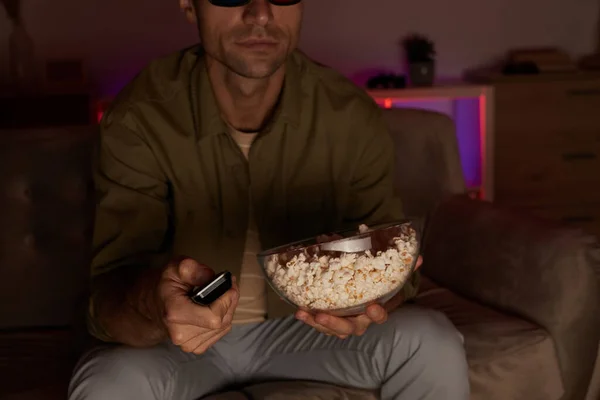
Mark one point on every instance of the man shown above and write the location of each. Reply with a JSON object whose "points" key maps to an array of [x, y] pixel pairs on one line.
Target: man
{"points": [[205, 157]]}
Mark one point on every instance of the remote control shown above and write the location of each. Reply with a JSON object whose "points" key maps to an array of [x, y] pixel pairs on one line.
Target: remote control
{"points": [[205, 295]]}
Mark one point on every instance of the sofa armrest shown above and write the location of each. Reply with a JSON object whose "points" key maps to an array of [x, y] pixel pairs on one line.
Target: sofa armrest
{"points": [[517, 264]]}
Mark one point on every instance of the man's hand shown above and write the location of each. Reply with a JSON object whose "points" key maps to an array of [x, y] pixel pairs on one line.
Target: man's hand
{"points": [[353, 326], [192, 327]]}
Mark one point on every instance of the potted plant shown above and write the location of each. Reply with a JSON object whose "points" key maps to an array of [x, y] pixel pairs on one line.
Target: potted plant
{"points": [[420, 57]]}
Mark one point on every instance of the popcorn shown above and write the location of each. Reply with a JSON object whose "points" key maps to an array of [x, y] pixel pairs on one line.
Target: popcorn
{"points": [[336, 280]]}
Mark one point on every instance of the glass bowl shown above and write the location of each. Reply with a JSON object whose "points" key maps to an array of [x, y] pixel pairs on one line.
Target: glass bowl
{"points": [[344, 272]]}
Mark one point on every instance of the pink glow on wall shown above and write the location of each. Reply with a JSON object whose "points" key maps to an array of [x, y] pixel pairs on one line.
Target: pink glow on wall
{"points": [[483, 138], [101, 107]]}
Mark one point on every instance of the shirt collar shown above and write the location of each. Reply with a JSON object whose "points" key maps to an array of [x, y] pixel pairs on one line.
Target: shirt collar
{"points": [[207, 116]]}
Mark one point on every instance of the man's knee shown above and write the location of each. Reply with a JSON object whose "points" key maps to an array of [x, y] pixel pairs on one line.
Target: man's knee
{"points": [[429, 324], [439, 345], [425, 325], [120, 373], [428, 355]]}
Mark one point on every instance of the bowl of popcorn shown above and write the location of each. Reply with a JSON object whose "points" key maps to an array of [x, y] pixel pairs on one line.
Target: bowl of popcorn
{"points": [[344, 272]]}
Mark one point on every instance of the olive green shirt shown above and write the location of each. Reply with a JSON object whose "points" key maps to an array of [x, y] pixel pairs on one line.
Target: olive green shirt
{"points": [[171, 181]]}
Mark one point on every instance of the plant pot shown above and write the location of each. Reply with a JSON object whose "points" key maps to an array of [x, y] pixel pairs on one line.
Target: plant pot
{"points": [[421, 74]]}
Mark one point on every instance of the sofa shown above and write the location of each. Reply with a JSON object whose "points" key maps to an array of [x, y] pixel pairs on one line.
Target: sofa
{"points": [[523, 292]]}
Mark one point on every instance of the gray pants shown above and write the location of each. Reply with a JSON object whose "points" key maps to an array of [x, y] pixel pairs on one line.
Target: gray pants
{"points": [[416, 354]]}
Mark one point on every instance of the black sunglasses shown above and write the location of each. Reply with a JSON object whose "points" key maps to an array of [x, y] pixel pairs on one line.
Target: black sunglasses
{"points": [[238, 3]]}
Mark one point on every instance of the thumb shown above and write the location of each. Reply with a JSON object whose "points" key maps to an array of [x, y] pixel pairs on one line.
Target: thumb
{"points": [[193, 273]]}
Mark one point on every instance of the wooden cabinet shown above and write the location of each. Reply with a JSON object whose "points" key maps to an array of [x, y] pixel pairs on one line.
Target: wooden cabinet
{"points": [[547, 148], [46, 110]]}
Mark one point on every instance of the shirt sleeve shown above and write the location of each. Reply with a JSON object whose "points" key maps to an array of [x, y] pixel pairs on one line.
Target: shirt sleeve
{"points": [[373, 198], [131, 219]]}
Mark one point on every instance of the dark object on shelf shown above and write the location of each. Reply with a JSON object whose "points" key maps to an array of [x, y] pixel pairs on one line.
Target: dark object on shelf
{"points": [[523, 68], [387, 81], [420, 57], [46, 110], [591, 62], [544, 60], [421, 74]]}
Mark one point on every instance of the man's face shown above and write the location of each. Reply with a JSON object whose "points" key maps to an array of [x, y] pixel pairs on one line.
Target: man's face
{"points": [[253, 40]]}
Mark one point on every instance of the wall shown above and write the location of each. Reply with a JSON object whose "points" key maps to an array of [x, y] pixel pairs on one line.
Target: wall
{"points": [[117, 37]]}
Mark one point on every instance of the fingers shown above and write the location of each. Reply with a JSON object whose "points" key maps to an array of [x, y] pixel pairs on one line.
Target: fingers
{"points": [[336, 326], [376, 314], [193, 273], [179, 309], [340, 326], [204, 346], [233, 306], [419, 262], [191, 327], [344, 327], [361, 323], [310, 320], [224, 307], [188, 336], [192, 339], [209, 323], [356, 326], [212, 323], [182, 274]]}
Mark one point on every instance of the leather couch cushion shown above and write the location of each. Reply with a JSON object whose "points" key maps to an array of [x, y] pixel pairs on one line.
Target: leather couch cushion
{"points": [[36, 364], [526, 267], [594, 390], [46, 209], [509, 358]]}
